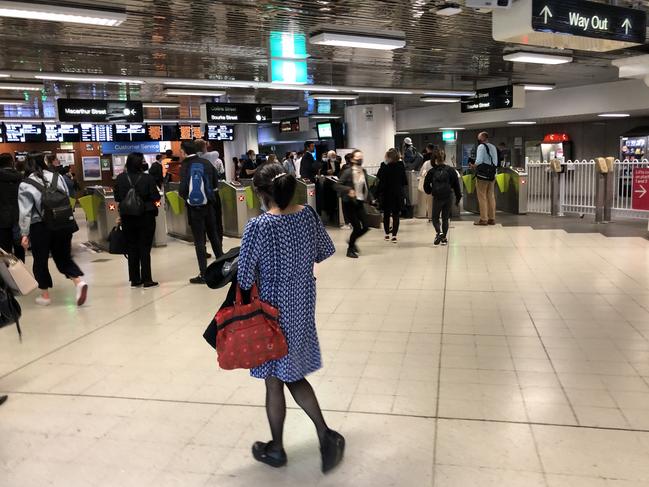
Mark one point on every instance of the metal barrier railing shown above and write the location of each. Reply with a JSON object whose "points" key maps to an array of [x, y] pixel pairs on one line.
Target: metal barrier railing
{"points": [[623, 189], [539, 198], [577, 194]]}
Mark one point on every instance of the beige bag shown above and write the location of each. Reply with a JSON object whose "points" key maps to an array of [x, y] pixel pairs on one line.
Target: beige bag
{"points": [[15, 274]]}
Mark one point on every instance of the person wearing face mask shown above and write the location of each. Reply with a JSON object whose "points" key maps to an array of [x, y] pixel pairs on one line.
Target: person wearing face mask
{"points": [[355, 193], [331, 164], [289, 163]]}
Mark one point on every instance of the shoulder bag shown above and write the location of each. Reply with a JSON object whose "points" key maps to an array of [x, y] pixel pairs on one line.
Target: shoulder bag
{"points": [[249, 335], [15, 274], [486, 172]]}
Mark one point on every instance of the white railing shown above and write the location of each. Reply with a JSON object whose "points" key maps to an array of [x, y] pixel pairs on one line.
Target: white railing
{"points": [[623, 189], [577, 188]]}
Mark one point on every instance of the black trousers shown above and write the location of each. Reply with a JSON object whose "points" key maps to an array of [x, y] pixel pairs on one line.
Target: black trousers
{"points": [[9, 244], [442, 207], [392, 211], [139, 232], [202, 220], [59, 243], [357, 216], [218, 215]]}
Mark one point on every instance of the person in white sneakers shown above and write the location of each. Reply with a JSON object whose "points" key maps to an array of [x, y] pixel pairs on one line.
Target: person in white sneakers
{"points": [[47, 225]]}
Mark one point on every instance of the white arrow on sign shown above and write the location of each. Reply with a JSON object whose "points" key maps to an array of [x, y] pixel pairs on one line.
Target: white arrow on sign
{"points": [[507, 101], [627, 26], [546, 12], [642, 191]]}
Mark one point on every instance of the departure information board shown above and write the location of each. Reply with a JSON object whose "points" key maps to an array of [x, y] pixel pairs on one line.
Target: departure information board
{"points": [[190, 132], [220, 132], [133, 132], [25, 132], [64, 132], [92, 132]]}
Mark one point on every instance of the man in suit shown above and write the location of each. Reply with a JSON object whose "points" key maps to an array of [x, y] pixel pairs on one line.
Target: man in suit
{"points": [[308, 167]]}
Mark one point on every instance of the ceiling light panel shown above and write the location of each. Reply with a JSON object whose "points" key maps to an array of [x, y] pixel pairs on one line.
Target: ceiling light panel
{"points": [[437, 99], [450, 92], [538, 87], [56, 13], [12, 102], [189, 92], [161, 105], [614, 115], [88, 79], [333, 96], [395, 40], [537, 58], [382, 91], [522, 123], [21, 86], [285, 108]]}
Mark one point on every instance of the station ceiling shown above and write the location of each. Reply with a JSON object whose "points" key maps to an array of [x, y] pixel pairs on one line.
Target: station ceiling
{"points": [[229, 40]]}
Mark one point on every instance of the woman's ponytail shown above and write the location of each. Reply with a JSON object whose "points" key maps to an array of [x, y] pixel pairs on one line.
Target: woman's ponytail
{"points": [[284, 189], [275, 185]]}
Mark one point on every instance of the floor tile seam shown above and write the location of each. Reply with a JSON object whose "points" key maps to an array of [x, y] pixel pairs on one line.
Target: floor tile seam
{"points": [[341, 411], [91, 332]]}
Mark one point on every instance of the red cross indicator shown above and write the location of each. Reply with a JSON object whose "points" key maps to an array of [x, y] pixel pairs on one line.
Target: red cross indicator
{"points": [[640, 189]]}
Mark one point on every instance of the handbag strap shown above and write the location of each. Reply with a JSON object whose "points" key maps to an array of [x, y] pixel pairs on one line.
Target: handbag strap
{"points": [[254, 294]]}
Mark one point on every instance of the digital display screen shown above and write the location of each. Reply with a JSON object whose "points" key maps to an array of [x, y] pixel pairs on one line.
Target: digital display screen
{"points": [[220, 132], [2, 133], [133, 132], [236, 113], [325, 130], [289, 125], [92, 132], [190, 132], [25, 132], [64, 132]]}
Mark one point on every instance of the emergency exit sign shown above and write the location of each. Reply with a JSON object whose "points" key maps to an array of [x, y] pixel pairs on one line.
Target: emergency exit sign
{"points": [[589, 19]]}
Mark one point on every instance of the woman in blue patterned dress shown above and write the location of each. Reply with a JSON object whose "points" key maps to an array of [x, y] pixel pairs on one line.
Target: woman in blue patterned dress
{"points": [[278, 251]]}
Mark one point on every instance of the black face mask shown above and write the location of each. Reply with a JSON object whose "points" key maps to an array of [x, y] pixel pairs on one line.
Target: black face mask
{"points": [[358, 162]]}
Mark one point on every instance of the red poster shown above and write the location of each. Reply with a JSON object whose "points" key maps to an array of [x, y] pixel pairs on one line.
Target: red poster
{"points": [[641, 189]]}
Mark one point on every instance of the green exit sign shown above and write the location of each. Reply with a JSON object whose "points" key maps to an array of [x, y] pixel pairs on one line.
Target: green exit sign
{"points": [[449, 135]]}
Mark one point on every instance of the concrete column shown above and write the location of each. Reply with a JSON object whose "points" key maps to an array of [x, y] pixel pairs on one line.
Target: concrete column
{"points": [[245, 138], [371, 128]]}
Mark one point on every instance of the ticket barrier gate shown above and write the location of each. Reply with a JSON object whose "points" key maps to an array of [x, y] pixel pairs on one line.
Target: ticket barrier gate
{"points": [[331, 211], [239, 204], [511, 190], [176, 215], [101, 214], [470, 193], [305, 193], [160, 235]]}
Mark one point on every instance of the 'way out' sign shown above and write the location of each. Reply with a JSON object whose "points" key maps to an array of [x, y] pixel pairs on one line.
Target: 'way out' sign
{"points": [[590, 19], [570, 24]]}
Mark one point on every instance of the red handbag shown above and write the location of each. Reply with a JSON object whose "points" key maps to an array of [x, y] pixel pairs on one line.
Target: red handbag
{"points": [[249, 335]]}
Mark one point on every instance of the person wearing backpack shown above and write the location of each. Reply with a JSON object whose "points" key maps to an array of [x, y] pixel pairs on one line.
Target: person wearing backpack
{"points": [[198, 180], [441, 182], [9, 182], [486, 162], [47, 223], [137, 194], [412, 158]]}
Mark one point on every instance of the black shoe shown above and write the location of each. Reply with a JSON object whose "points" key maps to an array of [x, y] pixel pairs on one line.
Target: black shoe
{"points": [[263, 453], [438, 239], [136, 284], [197, 280], [3, 399], [444, 240], [332, 450], [150, 284], [208, 255], [351, 254]]}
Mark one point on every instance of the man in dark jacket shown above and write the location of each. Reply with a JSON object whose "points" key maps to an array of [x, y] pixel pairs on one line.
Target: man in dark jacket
{"points": [[441, 182], [156, 171], [309, 167], [9, 181], [198, 179]]}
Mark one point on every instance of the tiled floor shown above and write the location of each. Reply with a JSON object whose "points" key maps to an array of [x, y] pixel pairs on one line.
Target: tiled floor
{"points": [[514, 357]]}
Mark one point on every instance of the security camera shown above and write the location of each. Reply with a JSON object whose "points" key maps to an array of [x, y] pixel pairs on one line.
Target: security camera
{"points": [[489, 4]]}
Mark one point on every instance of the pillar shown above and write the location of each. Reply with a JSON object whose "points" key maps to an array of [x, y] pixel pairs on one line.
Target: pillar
{"points": [[371, 128], [245, 138]]}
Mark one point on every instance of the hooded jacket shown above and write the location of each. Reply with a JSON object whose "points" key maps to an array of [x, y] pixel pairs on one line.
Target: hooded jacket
{"points": [[9, 182]]}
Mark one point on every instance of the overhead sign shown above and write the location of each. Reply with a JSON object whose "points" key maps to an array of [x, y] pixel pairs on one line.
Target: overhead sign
{"points": [[128, 147], [640, 200], [498, 98], [570, 24], [590, 19], [220, 132], [72, 110], [449, 135], [230, 113]]}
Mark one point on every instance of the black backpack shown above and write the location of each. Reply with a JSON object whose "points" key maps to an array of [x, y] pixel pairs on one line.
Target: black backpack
{"points": [[132, 204], [441, 184], [56, 210]]}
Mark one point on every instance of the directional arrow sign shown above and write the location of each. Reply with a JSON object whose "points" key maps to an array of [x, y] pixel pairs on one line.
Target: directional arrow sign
{"points": [[640, 198], [498, 98], [627, 25], [545, 13]]}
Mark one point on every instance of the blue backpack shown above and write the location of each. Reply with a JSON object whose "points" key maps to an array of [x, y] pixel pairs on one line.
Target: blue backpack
{"points": [[200, 188]]}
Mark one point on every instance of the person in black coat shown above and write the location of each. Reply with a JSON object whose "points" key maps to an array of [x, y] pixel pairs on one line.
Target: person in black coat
{"points": [[392, 181], [156, 172], [309, 168], [441, 182], [138, 230], [9, 182]]}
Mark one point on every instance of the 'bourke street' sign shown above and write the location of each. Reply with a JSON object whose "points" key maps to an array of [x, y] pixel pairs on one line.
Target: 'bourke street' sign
{"points": [[640, 199]]}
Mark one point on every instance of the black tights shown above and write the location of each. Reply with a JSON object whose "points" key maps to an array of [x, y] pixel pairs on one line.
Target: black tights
{"points": [[304, 396]]}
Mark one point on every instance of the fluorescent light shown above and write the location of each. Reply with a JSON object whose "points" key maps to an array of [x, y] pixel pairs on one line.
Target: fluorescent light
{"points": [[451, 128], [450, 93], [389, 41], [12, 102], [21, 86], [614, 115], [56, 13], [4, 75], [283, 86], [436, 99], [285, 108], [522, 123], [161, 105], [380, 91], [324, 117], [29, 120], [342, 96], [211, 83], [163, 121], [536, 58], [89, 79], [538, 87], [448, 10], [181, 92]]}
